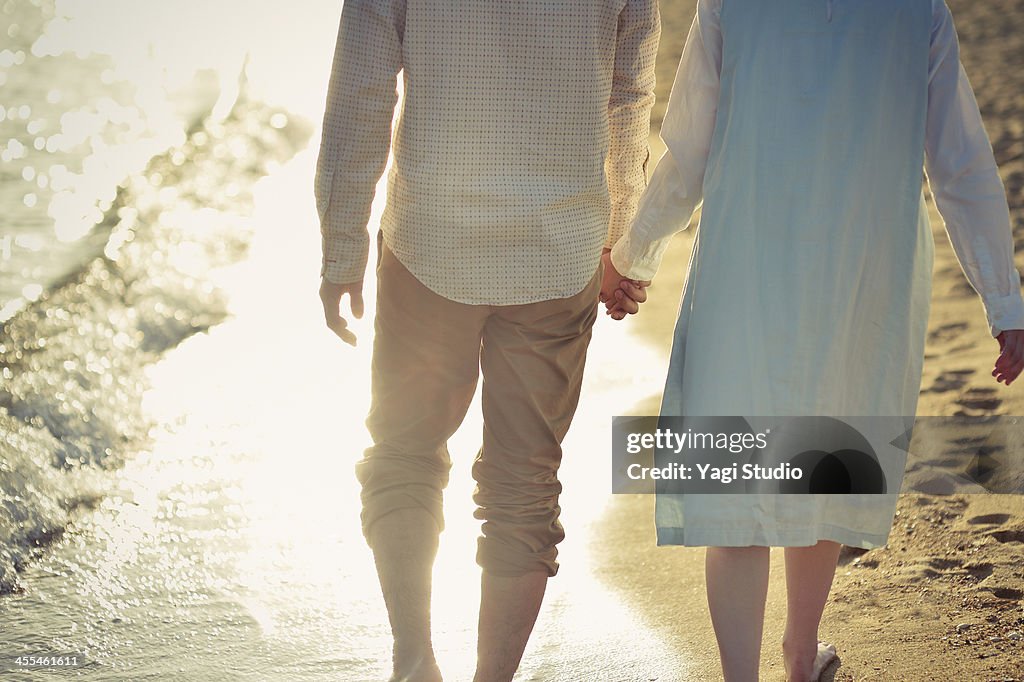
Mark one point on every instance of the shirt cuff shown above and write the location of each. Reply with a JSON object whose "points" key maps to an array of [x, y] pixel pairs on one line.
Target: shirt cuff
{"points": [[638, 259], [1005, 312], [344, 270]]}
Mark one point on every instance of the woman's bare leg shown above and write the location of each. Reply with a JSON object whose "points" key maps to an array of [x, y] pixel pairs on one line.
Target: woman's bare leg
{"points": [[737, 585], [809, 573]]}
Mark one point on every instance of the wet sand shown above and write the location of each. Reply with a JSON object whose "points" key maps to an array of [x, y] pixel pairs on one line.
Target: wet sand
{"points": [[943, 600]]}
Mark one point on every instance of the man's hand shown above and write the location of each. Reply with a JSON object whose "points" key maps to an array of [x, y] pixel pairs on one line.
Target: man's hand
{"points": [[1011, 356], [330, 295], [620, 296]]}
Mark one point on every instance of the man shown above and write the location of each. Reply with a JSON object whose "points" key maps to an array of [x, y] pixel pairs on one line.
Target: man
{"points": [[520, 153]]}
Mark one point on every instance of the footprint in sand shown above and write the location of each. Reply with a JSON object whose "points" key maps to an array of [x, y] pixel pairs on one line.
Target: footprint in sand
{"points": [[971, 441], [938, 568], [1011, 593], [948, 272], [945, 564], [947, 332], [930, 569], [1005, 535], [950, 380], [978, 402], [994, 519], [1008, 535], [961, 287], [979, 571]]}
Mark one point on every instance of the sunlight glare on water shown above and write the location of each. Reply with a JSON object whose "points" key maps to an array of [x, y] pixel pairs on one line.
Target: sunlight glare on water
{"points": [[159, 47], [94, 89]]}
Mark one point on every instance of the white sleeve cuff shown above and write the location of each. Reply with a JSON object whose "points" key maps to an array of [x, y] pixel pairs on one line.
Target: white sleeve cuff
{"points": [[1006, 312], [638, 259]]}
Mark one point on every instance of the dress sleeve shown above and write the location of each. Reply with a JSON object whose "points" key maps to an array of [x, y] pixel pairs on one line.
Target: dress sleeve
{"points": [[965, 182], [675, 189], [356, 135]]}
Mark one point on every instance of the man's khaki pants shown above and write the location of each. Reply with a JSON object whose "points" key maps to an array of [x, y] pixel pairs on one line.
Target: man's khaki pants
{"points": [[427, 354]]}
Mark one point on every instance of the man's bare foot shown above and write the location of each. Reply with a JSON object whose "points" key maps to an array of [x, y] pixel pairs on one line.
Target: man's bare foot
{"points": [[801, 666], [422, 669]]}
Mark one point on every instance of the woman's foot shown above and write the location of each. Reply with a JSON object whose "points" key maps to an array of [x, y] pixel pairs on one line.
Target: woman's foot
{"points": [[825, 657], [805, 665]]}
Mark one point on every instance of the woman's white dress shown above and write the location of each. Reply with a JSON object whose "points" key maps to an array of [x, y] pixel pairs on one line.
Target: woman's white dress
{"points": [[803, 126]]}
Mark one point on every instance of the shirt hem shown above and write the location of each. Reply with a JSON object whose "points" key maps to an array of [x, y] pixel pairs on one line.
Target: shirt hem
{"points": [[552, 295]]}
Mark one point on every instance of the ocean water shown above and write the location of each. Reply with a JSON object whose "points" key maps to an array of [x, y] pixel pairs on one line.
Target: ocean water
{"points": [[116, 205], [177, 499]]}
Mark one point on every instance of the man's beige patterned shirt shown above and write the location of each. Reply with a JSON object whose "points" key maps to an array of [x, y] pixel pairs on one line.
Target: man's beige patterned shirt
{"points": [[520, 149]]}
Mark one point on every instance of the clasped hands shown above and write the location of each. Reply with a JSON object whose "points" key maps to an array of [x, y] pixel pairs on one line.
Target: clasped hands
{"points": [[621, 296]]}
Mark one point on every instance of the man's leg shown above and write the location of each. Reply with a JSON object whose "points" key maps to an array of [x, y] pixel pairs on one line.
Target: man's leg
{"points": [[508, 610], [404, 545], [532, 360], [425, 366]]}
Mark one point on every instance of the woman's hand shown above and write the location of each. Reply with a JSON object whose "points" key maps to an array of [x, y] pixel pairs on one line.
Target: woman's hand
{"points": [[1011, 356]]}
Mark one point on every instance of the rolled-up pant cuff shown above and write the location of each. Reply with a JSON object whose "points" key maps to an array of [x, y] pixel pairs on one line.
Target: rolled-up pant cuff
{"points": [[427, 502], [498, 558], [393, 480]]}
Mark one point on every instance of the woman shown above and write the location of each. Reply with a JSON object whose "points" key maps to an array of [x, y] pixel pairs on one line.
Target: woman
{"points": [[803, 126]]}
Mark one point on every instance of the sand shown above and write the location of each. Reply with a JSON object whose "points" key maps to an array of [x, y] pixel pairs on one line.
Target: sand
{"points": [[943, 600]]}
